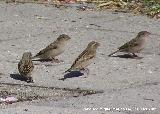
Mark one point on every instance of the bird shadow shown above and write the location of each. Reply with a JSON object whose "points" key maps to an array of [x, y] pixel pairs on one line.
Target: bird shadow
{"points": [[18, 77], [72, 74], [43, 60], [127, 56]]}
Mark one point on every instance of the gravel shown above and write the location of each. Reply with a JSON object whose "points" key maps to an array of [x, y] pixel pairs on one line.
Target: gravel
{"points": [[127, 83]]}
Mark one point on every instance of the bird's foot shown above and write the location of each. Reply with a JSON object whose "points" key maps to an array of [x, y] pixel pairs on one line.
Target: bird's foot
{"points": [[56, 60], [85, 71], [29, 80], [136, 56]]}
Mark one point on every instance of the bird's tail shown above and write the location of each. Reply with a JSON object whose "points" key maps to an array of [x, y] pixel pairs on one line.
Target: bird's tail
{"points": [[113, 53], [69, 70], [34, 57]]}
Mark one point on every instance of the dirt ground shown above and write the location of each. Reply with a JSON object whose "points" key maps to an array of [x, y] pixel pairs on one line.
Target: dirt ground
{"points": [[131, 85]]}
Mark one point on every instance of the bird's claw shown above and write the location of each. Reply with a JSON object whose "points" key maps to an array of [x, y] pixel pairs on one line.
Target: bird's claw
{"points": [[56, 61], [85, 71], [29, 80]]}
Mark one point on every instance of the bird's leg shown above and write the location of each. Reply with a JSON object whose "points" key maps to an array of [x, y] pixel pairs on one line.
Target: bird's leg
{"points": [[56, 60], [29, 80], [85, 70], [134, 55]]}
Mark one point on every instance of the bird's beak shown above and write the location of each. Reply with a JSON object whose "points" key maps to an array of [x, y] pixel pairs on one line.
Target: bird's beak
{"points": [[68, 38]]}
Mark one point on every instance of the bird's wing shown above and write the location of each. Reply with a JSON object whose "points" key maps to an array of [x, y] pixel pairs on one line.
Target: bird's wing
{"points": [[84, 56], [30, 65], [25, 66], [48, 48], [19, 65], [129, 44]]}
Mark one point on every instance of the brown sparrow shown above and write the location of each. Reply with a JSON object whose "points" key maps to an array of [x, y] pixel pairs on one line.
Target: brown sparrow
{"points": [[85, 58], [25, 66], [135, 45], [54, 49]]}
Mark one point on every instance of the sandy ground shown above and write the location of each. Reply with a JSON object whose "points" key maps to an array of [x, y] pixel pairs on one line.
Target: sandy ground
{"points": [[129, 84]]}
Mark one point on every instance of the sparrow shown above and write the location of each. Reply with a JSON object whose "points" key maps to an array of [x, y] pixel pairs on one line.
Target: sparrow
{"points": [[25, 66], [135, 45], [85, 58], [54, 49]]}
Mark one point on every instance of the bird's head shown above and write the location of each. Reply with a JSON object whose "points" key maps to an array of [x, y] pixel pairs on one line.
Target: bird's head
{"points": [[93, 45], [143, 34], [26, 55], [63, 38]]}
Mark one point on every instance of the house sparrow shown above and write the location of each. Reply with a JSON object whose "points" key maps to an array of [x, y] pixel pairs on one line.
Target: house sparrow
{"points": [[25, 66], [135, 45], [54, 49], [85, 58]]}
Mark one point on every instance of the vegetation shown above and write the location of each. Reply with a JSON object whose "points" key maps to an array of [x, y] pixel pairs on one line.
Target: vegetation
{"points": [[148, 7]]}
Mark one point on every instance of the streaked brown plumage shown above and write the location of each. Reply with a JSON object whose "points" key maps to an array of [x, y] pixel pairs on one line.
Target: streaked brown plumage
{"points": [[85, 58], [54, 49], [25, 66], [135, 45]]}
